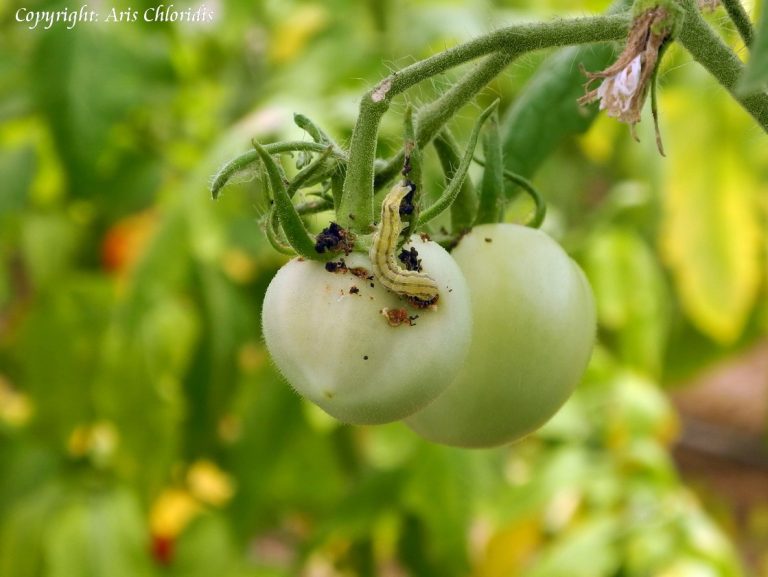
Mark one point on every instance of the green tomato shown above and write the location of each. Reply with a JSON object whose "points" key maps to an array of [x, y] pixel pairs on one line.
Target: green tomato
{"points": [[534, 329], [330, 337]]}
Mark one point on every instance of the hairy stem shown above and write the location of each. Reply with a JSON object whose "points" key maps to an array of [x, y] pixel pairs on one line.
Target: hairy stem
{"points": [[740, 19], [709, 50], [248, 158], [356, 209], [435, 115]]}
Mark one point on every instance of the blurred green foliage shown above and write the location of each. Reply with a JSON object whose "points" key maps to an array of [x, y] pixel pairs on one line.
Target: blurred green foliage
{"points": [[142, 428]]}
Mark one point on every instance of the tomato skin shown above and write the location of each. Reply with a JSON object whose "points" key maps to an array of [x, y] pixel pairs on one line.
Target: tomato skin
{"points": [[534, 329], [334, 346]]}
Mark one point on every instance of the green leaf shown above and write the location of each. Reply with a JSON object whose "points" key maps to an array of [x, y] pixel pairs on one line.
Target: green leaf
{"points": [[22, 532], [17, 166], [711, 234], [755, 76], [441, 475], [630, 295], [206, 548], [141, 374], [88, 83], [546, 110], [590, 549], [102, 533], [49, 243], [58, 352]]}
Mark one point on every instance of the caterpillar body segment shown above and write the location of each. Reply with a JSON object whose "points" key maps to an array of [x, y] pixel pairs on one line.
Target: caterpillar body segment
{"points": [[418, 287]]}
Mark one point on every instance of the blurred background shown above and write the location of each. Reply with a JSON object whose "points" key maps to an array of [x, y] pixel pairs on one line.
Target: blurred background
{"points": [[143, 431]]}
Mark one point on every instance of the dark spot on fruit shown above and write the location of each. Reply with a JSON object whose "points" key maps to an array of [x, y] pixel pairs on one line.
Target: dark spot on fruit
{"points": [[488, 239], [372, 285], [339, 266], [365, 357], [423, 303], [410, 259], [353, 290], [360, 272], [424, 237], [334, 239], [396, 317]]}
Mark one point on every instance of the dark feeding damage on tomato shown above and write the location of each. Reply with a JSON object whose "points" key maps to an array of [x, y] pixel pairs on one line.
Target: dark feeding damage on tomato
{"points": [[339, 266], [399, 317], [336, 266], [410, 259], [422, 303], [334, 238]]}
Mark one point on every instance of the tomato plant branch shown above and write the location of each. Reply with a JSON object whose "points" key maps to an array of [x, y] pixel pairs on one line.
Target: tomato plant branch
{"points": [[740, 19], [356, 210], [435, 115], [464, 206], [492, 184], [454, 187], [289, 218], [540, 205], [243, 161], [709, 50]]}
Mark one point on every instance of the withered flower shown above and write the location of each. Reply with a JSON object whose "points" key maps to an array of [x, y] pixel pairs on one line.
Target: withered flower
{"points": [[627, 81]]}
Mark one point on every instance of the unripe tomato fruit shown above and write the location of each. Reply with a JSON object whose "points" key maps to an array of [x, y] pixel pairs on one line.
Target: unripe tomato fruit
{"points": [[326, 333], [533, 332]]}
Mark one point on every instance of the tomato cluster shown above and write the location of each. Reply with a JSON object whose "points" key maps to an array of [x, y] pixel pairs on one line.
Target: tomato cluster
{"points": [[490, 361]]}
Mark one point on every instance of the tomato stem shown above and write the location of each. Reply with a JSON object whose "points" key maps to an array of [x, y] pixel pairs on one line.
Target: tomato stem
{"points": [[452, 190], [464, 206], [356, 209], [709, 50], [411, 172], [245, 160], [293, 227], [492, 185]]}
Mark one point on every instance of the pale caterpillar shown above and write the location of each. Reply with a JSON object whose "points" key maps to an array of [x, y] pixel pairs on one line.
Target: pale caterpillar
{"points": [[418, 287]]}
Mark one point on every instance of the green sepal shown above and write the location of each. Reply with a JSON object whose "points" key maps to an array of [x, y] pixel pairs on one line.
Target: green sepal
{"points": [[412, 171], [295, 232], [492, 184], [464, 208], [309, 174], [452, 190], [272, 228]]}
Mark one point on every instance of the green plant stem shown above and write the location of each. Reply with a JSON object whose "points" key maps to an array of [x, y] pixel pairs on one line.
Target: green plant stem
{"points": [[271, 228], [540, 206], [540, 210], [452, 190], [464, 207], [740, 19], [412, 172], [435, 115], [293, 228], [314, 206], [492, 185], [356, 210], [247, 158], [306, 175], [709, 50]]}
